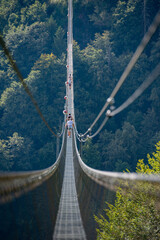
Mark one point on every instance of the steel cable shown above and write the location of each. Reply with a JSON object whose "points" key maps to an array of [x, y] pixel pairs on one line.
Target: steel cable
{"points": [[100, 128], [15, 68], [130, 65], [63, 128], [153, 76]]}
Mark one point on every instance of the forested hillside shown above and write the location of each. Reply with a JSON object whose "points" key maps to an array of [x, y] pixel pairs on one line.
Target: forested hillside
{"points": [[106, 34]]}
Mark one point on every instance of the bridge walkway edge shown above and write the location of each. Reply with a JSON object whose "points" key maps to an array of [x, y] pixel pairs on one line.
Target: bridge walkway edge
{"points": [[69, 224]]}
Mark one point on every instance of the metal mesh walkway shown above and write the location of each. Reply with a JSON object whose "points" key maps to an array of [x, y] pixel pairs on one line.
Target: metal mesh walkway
{"points": [[69, 223]]}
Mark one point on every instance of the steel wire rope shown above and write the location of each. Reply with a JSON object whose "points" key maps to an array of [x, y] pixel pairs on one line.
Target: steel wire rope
{"points": [[62, 131], [136, 55], [76, 131], [14, 184], [100, 128], [78, 136], [154, 74], [15, 68]]}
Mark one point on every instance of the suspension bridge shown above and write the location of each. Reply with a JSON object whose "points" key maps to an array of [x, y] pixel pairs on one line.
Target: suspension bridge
{"points": [[60, 202]]}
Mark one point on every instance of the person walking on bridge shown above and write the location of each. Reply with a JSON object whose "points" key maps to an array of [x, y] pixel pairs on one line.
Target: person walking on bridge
{"points": [[70, 81], [70, 117], [69, 126]]}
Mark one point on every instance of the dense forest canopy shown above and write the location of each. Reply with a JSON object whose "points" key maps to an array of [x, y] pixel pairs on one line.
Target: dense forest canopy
{"points": [[106, 34]]}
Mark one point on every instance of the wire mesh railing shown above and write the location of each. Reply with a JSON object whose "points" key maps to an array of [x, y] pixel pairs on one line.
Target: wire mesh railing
{"points": [[95, 188], [29, 201]]}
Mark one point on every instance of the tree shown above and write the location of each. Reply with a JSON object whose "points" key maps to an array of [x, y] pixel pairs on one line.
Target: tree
{"points": [[13, 20], [149, 126], [27, 43], [15, 153], [124, 25], [119, 150], [46, 155], [34, 13], [46, 82], [4, 81], [91, 154], [153, 165], [6, 8], [134, 214], [52, 25], [59, 43], [101, 17]]}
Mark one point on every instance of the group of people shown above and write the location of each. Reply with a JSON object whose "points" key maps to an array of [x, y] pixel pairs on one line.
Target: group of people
{"points": [[69, 124], [69, 119]]}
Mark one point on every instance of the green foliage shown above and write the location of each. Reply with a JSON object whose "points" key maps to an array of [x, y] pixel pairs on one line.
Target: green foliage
{"points": [[46, 155], [52, 25], [59, 42], [34, 13], [153, 165], [135, 214], [4, 81], [46, 82], [15, 153], [13, 20], [123, 18], [105, 35], [34, 38], [101, 16], [91, 155], [6, 8], [121, 145]]}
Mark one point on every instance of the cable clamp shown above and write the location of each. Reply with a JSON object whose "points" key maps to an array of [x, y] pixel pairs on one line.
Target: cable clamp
{"points": [[110, 101], [108, 113]]}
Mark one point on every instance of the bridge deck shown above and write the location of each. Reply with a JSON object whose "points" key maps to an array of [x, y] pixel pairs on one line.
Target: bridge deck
{"points": [[69, 223]]}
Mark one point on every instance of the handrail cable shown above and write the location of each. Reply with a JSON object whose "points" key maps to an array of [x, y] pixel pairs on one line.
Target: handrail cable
{"points": [[15, 68], [14, 184], [136, 55], [106, 178], [154, 74], [151, 78], [63, 128]]}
